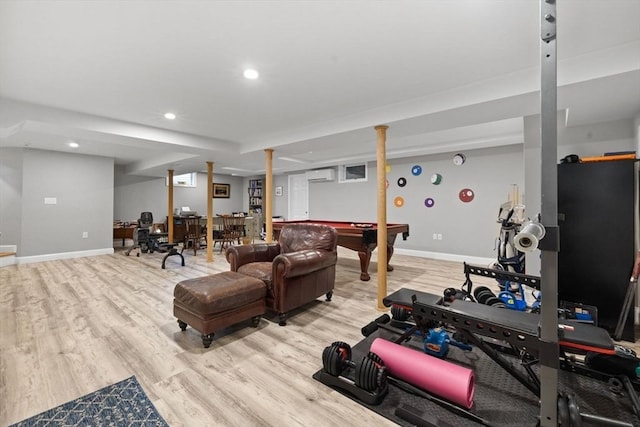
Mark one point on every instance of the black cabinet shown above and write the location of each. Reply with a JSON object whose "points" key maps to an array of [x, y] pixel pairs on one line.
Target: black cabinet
{"points": [[596, 217]]}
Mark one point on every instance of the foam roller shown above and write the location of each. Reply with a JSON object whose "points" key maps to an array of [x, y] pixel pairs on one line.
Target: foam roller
{"points": [[437, 376]]}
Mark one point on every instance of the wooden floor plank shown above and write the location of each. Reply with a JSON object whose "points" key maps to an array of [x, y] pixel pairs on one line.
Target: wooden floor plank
{"points": [[70, 327]]}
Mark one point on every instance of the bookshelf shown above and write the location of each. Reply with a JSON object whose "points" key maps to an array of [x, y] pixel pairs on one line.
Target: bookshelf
{"points": [[255, 196], [256, 193]]}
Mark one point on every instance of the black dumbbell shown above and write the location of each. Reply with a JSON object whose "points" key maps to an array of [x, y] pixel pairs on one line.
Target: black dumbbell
{"points": [[492, 301], [400, 313], [482, 293], [370, 373]]}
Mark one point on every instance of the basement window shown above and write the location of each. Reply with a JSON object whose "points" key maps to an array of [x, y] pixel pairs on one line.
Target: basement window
{"points": [[356, 172], [184, 180]]}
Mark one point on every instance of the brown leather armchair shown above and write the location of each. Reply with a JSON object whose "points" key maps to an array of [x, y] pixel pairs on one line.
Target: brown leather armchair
{"points": [[297, 269]]}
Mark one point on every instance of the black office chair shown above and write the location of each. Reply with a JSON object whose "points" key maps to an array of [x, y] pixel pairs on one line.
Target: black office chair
{"points": [[145, 240], [141, 240]]}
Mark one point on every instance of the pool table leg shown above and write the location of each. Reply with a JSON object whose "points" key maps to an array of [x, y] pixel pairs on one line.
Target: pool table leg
{"points": [[389, 253], [365, 258]]}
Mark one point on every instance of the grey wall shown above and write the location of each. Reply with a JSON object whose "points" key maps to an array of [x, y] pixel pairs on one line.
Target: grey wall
{"points": [[586, 140], [83, 189], [91, 194], [466, 228], [135, 194], [596, 139], [10, 195], [281, 203]]}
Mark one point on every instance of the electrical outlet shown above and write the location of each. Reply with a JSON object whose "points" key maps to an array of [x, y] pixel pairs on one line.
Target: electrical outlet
{"points": [[435, 236], [85, 234], [439, 236]]}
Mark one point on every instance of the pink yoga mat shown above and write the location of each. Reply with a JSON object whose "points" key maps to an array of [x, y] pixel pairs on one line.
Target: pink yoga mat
{"points": [[434, 375]]}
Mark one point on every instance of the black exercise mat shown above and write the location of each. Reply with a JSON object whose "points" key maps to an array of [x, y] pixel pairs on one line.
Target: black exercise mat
{"points": [[499, 398]]}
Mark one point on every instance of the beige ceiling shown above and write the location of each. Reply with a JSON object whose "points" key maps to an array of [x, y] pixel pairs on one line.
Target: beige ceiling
{"points": [[445, 75]]}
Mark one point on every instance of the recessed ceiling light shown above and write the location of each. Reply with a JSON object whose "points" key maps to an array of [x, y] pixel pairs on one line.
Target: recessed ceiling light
{"points": [[73, 144], [169, 116], [250, 74]]}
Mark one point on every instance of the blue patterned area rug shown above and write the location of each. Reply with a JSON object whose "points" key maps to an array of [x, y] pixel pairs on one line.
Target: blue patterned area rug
{"points": [[121, 404]]}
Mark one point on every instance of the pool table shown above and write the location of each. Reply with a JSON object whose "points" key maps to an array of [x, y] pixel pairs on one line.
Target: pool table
{"points": [[359, 237]]}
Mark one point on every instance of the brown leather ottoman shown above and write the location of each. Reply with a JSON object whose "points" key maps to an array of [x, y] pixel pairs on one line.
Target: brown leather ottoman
{"points": [[211, 303]]}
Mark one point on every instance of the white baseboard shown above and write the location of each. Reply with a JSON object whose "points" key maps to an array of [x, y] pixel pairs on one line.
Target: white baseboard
{"points": [[62, 255], [8, 259], [445, 257]]}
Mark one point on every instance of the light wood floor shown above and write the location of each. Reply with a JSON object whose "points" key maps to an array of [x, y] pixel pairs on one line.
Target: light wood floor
{"points": [[70, 327]]}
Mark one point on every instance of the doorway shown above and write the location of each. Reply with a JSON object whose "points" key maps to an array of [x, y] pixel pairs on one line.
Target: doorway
{"points": [[298, 208]]}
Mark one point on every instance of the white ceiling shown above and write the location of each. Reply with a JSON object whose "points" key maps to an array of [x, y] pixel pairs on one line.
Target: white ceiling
{"points": [[445, 75]]}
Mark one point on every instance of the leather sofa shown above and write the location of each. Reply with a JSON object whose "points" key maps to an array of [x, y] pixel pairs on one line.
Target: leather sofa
{"points": [[297, 269]]}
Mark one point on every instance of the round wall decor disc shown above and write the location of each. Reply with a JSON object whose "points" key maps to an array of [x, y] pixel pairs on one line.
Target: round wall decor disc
{"points": [[416, 170], [466, 195], [398, 202], [436, 179], [459, 159], [402, 182], [429, 202]]}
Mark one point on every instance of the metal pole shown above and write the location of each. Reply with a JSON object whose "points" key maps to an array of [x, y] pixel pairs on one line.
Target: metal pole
{"points": [[170, 206], [549, 246]]}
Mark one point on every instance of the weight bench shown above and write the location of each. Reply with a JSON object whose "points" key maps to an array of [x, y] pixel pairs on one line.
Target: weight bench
{"points": [[520, 331]]}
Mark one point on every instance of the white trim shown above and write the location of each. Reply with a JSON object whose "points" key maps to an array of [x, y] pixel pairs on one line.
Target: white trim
{"points": [[62, 255], [190, 180], [9, 259], [342, 173], [445, 257]]}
